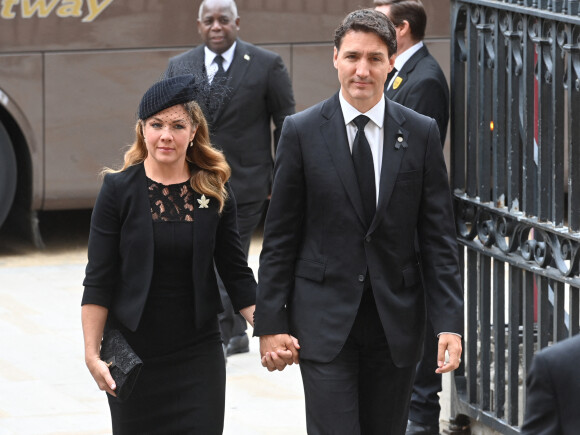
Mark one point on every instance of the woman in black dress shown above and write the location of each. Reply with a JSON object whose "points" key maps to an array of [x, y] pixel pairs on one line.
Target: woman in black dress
{"points": [[158, 226]]}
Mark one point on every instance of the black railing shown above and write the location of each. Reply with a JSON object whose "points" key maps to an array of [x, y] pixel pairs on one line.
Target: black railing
{"points": [[515, 170]]}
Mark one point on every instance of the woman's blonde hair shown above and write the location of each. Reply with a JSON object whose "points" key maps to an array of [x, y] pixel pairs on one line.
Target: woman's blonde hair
{"points": [[208, 166]]}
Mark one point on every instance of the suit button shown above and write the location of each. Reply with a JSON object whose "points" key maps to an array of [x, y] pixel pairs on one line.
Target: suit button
{"points": [[361, 278], [368, 239]]}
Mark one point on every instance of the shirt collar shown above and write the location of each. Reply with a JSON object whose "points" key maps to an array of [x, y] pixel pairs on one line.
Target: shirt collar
{"points": [[228, 55], [402, 58], [376, 113]]}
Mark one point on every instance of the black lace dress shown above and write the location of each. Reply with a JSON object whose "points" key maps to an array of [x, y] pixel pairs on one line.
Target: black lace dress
{"points": [[181, 387]]}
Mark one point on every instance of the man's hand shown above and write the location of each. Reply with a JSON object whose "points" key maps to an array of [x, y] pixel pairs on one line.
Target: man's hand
{"points": [[278, 351], [452, 344]]}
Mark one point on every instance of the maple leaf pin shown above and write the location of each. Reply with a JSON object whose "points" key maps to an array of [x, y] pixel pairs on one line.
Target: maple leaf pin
{"points": [[203, 202]]}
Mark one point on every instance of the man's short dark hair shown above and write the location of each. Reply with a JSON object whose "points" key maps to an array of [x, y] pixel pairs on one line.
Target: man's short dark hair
{"points": [[411, 11], [369, 21]]}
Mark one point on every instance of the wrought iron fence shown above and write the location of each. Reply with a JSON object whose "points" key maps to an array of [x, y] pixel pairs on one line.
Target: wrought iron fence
{"points": [[515, 171]]}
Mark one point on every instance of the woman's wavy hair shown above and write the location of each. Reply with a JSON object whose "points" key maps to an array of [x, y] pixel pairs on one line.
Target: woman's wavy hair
{"points": [[208, 166]]}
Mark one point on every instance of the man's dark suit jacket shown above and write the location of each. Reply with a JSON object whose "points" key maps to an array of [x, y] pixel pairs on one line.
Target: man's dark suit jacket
{"points": [[317, 249], [259, 92], [120, 267], [553, 391], [424, 89]]}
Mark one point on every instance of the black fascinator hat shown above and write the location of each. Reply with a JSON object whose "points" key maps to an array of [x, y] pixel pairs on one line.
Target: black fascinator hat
{"points": [[166, 93], [181, 89]]}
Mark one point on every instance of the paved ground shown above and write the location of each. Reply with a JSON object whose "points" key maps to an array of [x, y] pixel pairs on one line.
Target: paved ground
{"points": [[45, 387]]}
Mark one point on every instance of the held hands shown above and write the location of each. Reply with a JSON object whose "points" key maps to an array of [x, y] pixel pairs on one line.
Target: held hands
{"points": [[102, 375], [278, 351], [451, 343]]}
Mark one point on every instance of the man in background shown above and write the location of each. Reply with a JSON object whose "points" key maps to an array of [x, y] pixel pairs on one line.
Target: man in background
{"points": [[418, 83], [553, 390], [257, 92]]}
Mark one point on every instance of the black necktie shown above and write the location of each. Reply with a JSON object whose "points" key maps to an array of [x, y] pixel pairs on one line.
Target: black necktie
{"points": [[364, 167], [390, 76], [220, 73]]}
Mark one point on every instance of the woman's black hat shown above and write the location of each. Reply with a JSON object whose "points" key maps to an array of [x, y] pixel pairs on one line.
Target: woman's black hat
{"points": [[169, 92]]}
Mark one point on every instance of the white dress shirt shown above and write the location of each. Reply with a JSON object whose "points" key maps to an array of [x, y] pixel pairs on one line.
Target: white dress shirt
{"points": [[211, 66], [374, 131]]}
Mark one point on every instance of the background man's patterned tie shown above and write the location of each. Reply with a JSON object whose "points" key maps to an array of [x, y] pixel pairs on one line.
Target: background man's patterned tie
{"points": [[220, 73]]}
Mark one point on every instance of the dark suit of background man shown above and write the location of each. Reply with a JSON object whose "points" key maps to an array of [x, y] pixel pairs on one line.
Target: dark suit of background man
{"points": [[259, 92], [338, 268], [553, 391], [419, 84]]}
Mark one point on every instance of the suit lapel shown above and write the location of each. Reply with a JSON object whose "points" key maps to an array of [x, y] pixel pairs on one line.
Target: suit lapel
{"points": [[200, 219], [334, 132], [205, 215], [236, 73], [392, 157], [143, 221], [407, 68]]}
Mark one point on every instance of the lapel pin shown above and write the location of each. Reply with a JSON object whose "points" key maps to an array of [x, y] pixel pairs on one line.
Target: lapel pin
{"points": [[247, 56], [397, 82], [203, 202], [400, 141]]}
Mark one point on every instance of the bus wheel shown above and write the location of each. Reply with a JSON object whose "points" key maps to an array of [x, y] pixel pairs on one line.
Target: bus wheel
{"points": [[8, 172]]}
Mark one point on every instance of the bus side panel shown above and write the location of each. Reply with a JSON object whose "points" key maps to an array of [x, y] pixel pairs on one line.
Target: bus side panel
{"points": [[22, 97], [91, 106], [43, 25]]}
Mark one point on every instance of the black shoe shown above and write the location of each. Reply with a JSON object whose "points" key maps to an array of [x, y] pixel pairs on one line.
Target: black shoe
{"points": [[238, 344], [414, 428]]}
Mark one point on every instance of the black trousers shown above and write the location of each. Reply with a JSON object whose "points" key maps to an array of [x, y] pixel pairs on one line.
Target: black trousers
{"points": [[425, 408], [249, 216], [361, 391]]}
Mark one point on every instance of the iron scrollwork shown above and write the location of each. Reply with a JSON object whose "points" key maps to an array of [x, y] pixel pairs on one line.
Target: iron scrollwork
{"points": [[517, 238]]}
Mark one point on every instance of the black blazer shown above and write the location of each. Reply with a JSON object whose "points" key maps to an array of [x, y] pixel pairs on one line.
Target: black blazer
{"points": [[553, 391], [119, 271], [260, 92], [317, 250], [424, 89]]}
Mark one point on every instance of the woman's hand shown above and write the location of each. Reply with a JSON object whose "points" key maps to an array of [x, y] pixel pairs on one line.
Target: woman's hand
{"points": [[102, 375], [93, 319]]}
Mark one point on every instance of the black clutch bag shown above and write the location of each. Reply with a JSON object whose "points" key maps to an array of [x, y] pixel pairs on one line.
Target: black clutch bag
{"points": [[122, 361]]}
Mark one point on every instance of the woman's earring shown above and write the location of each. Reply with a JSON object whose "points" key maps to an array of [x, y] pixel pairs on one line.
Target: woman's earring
{"points": [[191, 143]]}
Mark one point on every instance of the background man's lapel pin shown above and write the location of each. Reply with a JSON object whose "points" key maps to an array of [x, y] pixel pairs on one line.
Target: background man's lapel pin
{"points": [[203, 202], [397, 82], [247, 56]]}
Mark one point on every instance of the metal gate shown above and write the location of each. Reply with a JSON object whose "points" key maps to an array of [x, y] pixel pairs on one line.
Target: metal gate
{"points": [[515, 171]]}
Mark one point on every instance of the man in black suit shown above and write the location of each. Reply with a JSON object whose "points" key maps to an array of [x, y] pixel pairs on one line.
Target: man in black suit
{"points": [[553, 390], [257, 92], [417, 82], [356, 178]]}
